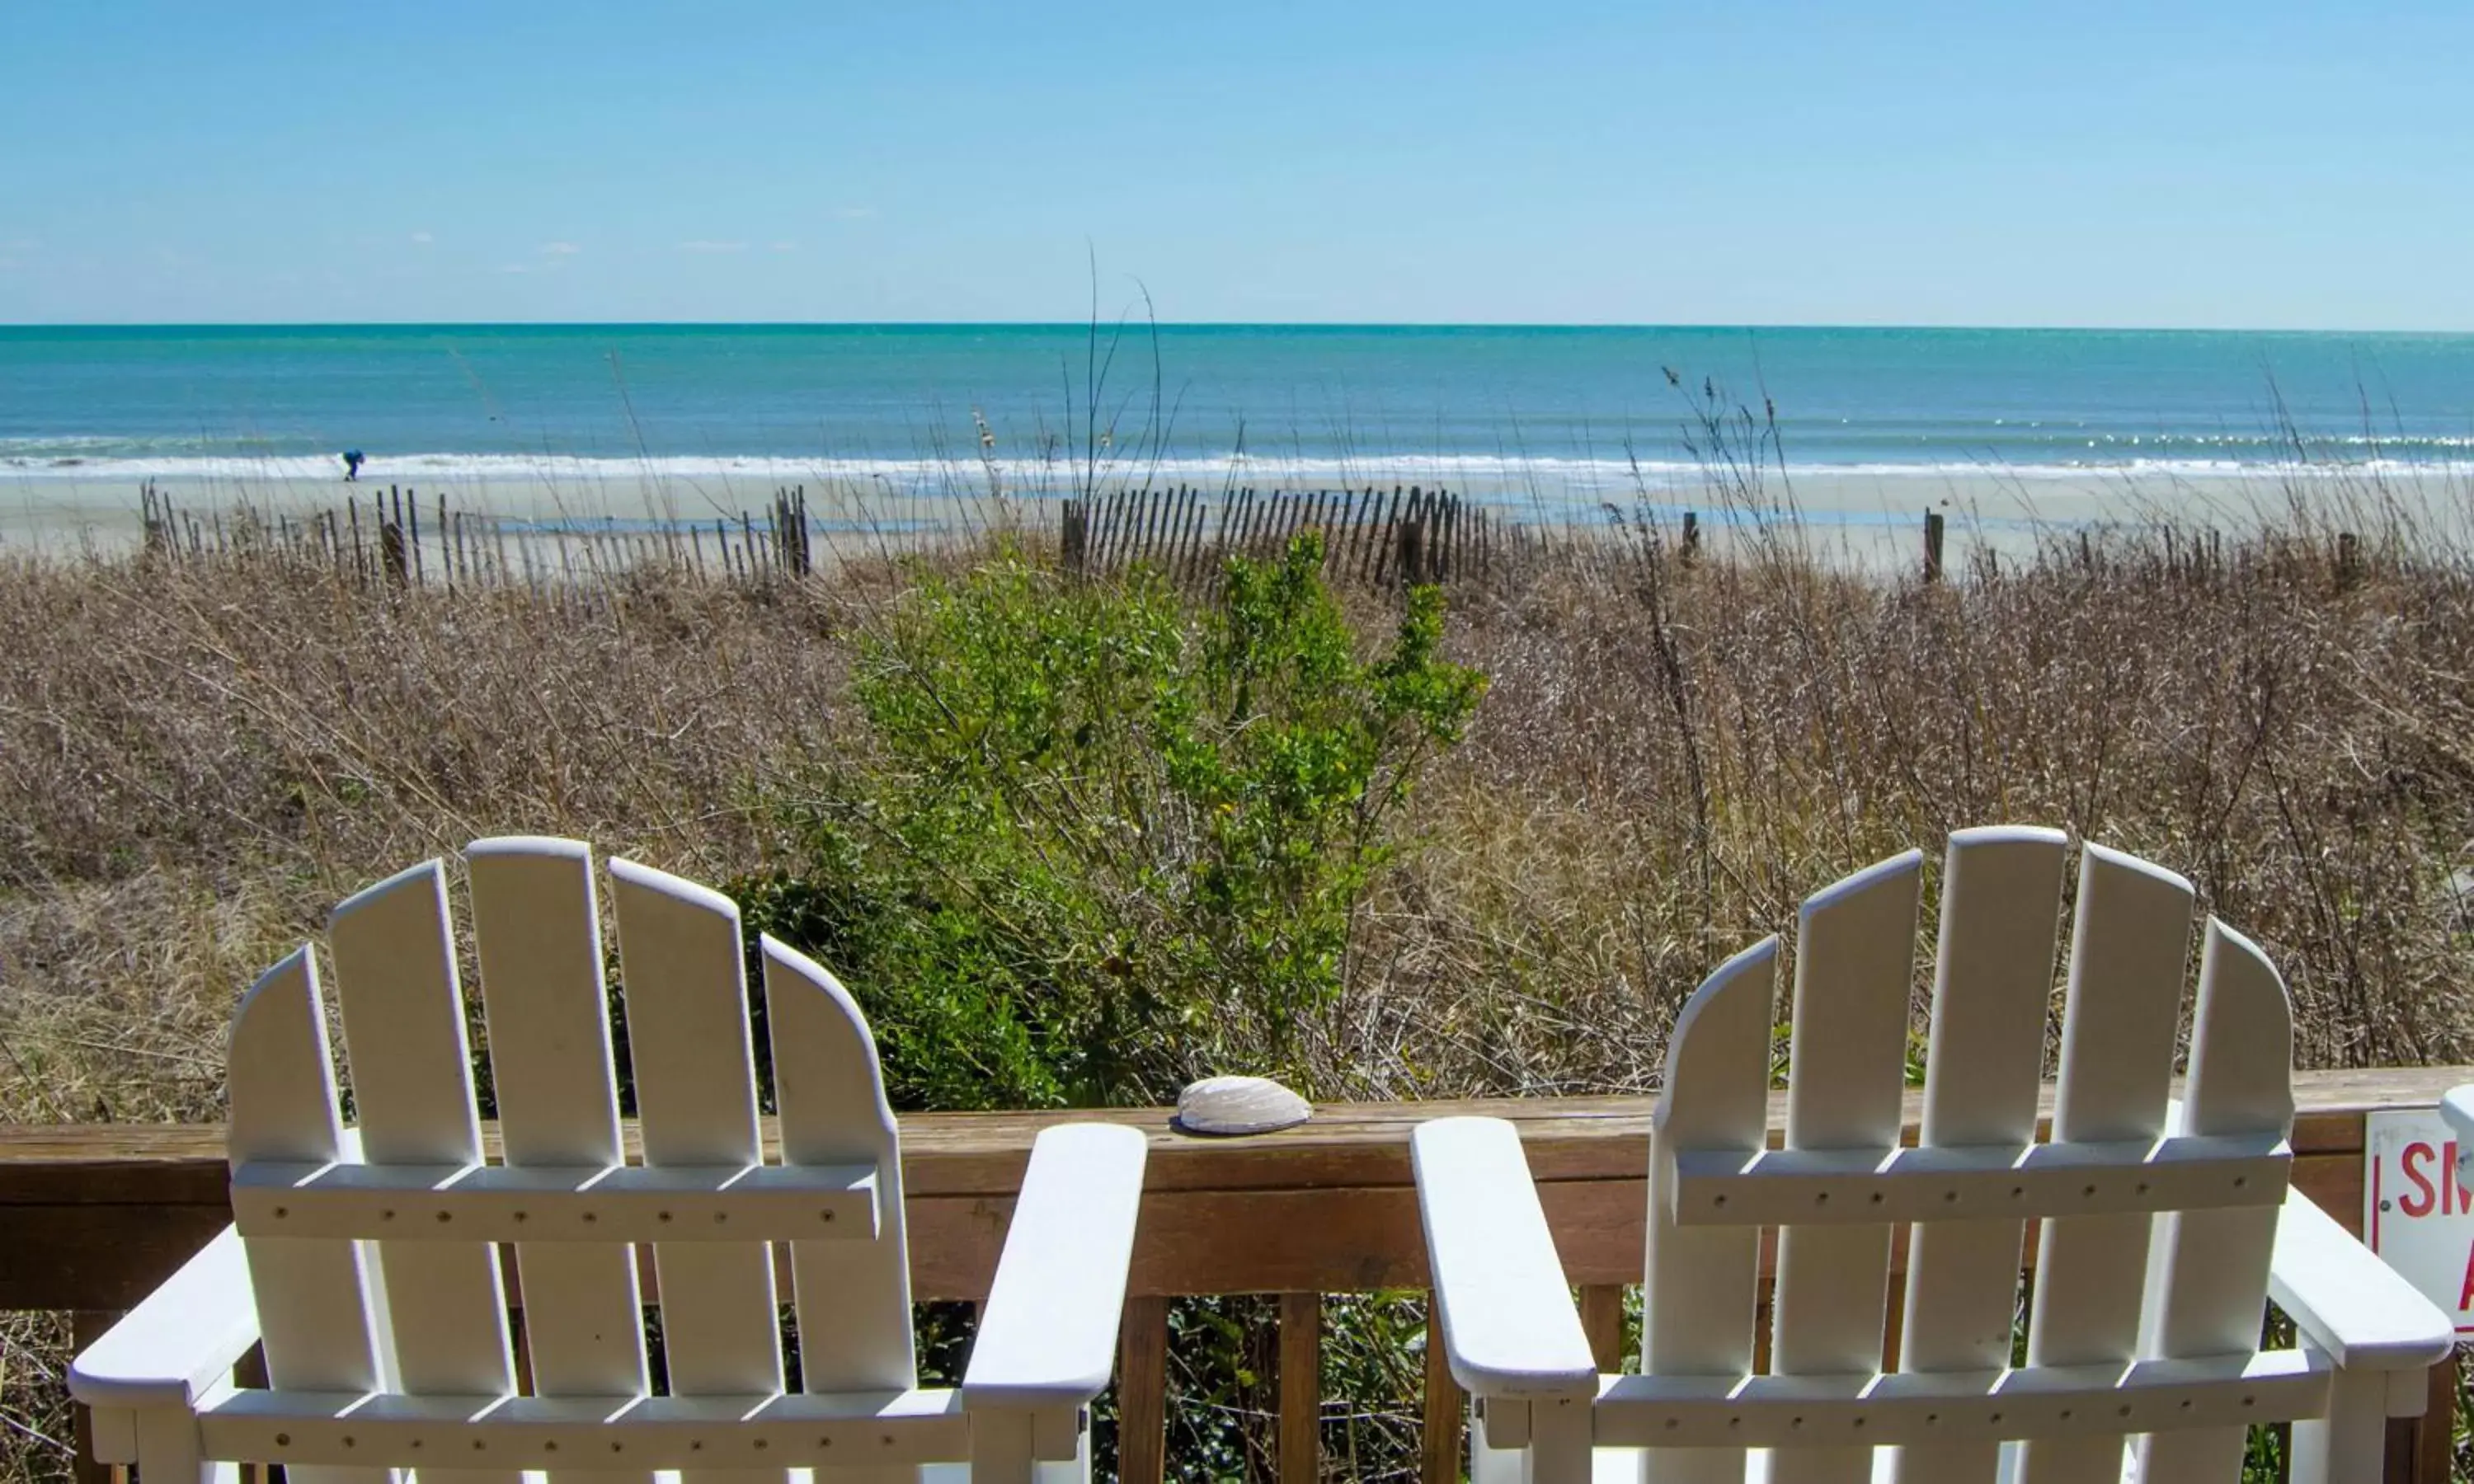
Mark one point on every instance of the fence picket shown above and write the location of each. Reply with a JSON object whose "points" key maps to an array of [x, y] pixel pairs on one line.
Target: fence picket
{"points": [[1104, 525], [1166, 551], [1386, 542], [1162, 510], [1189, 547]]}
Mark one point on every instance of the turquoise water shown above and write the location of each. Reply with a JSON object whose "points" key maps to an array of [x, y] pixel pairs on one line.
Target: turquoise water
{"points": [[914, 404]]}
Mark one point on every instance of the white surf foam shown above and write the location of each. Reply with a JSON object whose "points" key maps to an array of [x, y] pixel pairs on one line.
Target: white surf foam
{"points": [[920, 477]]}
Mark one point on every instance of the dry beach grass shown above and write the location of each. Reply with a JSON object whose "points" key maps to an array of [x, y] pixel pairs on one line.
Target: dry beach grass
{"points": [[198, 759]]}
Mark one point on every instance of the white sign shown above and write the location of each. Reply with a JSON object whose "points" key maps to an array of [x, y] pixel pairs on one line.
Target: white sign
{"points": [[2415, 1213]]}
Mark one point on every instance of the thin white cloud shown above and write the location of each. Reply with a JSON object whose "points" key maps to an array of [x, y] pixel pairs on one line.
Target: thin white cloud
{"points": [[854, 213], [422, 239], [785, 247], [708, 245], [559, 249], [515, 268]]}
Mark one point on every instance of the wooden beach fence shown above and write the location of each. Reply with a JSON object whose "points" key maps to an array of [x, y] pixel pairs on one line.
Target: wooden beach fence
{"points": [[402, 538], [1372, 537], [1396, 538]]}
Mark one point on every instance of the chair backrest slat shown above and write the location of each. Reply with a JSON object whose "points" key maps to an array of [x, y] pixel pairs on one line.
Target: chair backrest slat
{"points": [[313, 1295], [1993, 977], [2128, 945], [1855, 968], [412, 1094], [537, 938], [696, 1097], [2208, 1276], [1704, 1281], [853, 1297]]}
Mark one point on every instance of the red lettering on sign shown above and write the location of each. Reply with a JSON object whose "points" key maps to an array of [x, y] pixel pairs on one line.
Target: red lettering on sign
{"points": [[2464, 1197], [2416, 1155], [2465, 1291]]}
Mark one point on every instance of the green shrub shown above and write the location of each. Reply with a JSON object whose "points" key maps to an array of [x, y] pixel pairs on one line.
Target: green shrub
{"points": [[1100, 838]]}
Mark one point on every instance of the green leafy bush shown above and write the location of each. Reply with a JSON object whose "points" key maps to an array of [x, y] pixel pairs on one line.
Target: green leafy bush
{"points": [[1098, 838]]}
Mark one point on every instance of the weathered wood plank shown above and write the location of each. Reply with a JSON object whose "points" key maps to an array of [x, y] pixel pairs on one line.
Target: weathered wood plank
{"points": [[93, 1216], [70, 1254], [1330, 1241], [948, 1154]]}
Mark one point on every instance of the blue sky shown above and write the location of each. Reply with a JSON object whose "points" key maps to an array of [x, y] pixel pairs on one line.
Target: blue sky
{"points": [[2223, 164]]}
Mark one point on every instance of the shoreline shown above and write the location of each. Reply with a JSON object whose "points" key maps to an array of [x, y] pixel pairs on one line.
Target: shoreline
{"points": [[1870, 516]]}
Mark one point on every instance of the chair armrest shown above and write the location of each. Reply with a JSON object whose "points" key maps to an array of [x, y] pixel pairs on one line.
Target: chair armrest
{"points": [[1048, 1336], [2457, 1106], [2347, 1302], [1508, 1321], [185, 1337]]}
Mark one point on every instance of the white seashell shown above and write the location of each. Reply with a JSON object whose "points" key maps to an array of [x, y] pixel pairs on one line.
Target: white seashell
{"points": [[1239, 1105]]}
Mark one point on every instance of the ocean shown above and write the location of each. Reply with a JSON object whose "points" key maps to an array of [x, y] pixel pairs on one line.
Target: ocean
{"points": [[1542, 416], [115, 402]]}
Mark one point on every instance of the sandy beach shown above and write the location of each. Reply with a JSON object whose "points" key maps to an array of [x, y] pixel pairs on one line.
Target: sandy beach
{"points": [[1871, 518]]}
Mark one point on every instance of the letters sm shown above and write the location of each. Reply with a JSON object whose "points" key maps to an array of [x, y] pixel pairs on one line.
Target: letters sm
{"points": [[2418, 1207]]}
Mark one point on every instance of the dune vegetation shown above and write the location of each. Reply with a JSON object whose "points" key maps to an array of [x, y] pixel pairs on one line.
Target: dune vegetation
{"points": [[1480, 840]]}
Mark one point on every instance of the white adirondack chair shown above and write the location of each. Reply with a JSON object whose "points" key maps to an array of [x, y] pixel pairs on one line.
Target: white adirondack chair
{"points": [[368, 1259], [2162, 1226]]}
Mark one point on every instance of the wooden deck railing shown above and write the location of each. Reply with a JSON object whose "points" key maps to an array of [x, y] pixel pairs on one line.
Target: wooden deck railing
{"points": [[92, 1216]]}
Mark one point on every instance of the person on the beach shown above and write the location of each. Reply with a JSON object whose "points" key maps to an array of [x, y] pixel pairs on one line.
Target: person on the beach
{"points": [[352, 463]]}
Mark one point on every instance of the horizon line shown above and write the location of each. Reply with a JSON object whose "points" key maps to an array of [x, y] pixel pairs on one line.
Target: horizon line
{"points": [[1114, 326]]}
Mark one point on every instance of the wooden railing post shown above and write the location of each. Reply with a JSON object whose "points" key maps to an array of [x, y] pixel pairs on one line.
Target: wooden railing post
{"points": [[1602, 1320], [1445, 1413], [1142, 1392], [86, 1327], [2422, 1449], [1300, 1388]]}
